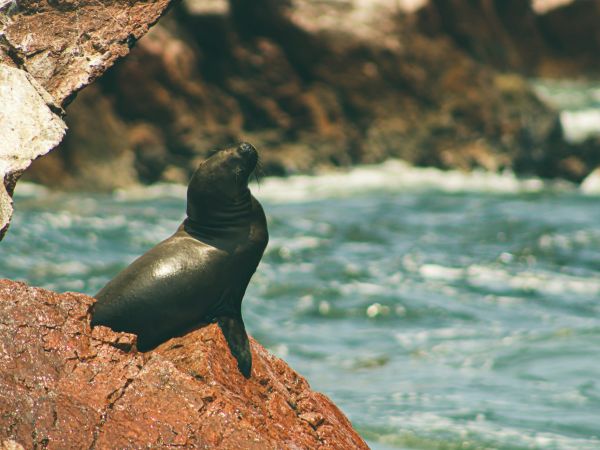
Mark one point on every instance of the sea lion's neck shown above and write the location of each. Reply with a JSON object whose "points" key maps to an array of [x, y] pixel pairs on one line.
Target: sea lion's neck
{"points": [[215, 220]]}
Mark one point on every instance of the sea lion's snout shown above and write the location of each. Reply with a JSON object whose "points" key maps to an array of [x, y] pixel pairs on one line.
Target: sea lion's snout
{"points": [[224, 174], [244, 149], [248, 153]]}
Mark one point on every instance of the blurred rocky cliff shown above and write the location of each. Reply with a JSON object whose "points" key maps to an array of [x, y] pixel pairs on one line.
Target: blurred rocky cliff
{"points": [[314, 84], [535, 39]]}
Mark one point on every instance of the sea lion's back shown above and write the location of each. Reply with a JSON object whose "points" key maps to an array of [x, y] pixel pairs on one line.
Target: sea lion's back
{"points": [[134, 301]]}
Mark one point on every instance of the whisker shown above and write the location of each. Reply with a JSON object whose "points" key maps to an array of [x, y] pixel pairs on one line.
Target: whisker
{"points": [[258, 170]]}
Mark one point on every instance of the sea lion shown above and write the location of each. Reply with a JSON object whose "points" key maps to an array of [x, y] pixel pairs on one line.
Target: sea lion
{"points": [[201, 272]]}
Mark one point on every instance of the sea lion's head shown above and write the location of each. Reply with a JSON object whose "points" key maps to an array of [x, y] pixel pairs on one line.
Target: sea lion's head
{"points": [[222, 178]]}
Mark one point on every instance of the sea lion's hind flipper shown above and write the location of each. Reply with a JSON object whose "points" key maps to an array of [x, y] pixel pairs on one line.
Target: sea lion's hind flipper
{"points": [[235, 333]]}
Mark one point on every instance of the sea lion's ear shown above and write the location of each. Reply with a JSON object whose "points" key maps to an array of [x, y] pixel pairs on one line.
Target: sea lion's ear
{"points": [[235, 333]]}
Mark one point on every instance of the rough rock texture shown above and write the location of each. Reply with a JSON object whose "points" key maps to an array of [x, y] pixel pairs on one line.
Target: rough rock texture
{"points": [[508, 34], [65, 386], [65, 45], [311, 84], [49, 50], [28, 128]]}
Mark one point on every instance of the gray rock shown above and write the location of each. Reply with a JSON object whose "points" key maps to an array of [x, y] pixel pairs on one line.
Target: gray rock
{"points": [[48, 52], [29, 128]]}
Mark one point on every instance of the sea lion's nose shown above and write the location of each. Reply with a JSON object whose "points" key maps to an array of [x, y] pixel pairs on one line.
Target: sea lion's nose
{"points": [[245, 149]]}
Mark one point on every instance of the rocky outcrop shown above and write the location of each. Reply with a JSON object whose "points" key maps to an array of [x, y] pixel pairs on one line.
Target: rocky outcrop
{"points": [[492, 31], [573, 34], [549, 38], [28, 128], [311, 84], [576, 161], [48, 52], [316, 84], [66, 386], [511, 35]]}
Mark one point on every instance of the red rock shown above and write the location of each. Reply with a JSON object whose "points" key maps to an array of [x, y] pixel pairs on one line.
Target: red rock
{"points": [[67, 45], [65, 386]]}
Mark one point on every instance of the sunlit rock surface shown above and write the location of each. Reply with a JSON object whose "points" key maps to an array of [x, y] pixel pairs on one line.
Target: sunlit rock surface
{"points": [[49, 51], [28, 128], [66, 386]]}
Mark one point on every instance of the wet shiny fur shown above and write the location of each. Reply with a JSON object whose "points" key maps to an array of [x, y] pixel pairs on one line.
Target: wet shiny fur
{"points": [[201, 272]]}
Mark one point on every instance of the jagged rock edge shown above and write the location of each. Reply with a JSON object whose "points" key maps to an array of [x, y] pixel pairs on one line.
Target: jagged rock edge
{"points": [[11, 176]]}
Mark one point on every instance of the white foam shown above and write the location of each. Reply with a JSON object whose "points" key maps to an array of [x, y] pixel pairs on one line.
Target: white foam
{"points": [[567, 94], [25, 189], [544, 283], [480, 428], [70, 268], [591, 185], [158, 190], [499, 279], [413, 339], [392, 175], [286, 247], [580, 125], [437, 272], [363, 289], [578, 103]]}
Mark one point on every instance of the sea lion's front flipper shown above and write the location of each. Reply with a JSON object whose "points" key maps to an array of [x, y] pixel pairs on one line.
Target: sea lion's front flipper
{"points": [[235, 333]]}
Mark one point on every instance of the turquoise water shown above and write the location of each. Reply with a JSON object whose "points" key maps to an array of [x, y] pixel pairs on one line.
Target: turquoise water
{"points": [[438, 310]]}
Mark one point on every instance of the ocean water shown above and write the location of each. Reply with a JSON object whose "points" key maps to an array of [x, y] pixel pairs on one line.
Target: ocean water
{"points": [[438, 310]]}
